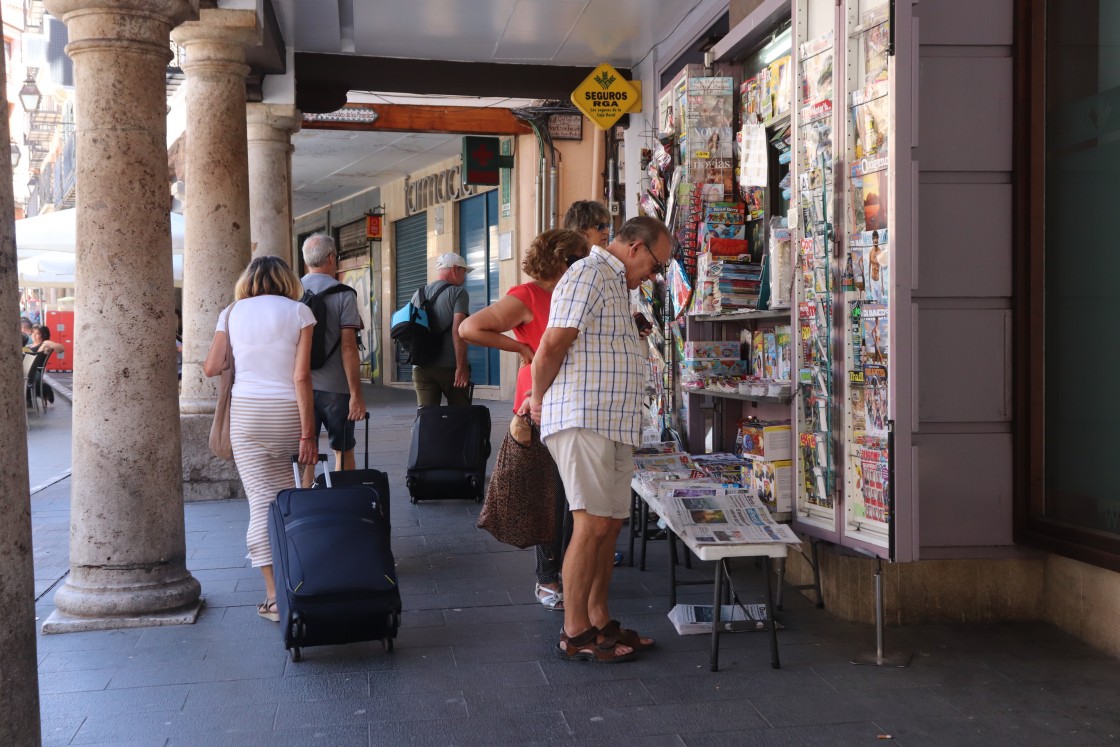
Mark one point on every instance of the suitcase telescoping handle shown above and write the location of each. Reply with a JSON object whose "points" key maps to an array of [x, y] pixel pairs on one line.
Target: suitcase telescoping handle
{"points": [[299, 477], [367, 439]]}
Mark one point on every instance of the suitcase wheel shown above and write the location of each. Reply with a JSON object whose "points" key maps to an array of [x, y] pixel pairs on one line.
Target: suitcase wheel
{"points": [[413, 500], [296, 654], [478, 499], [387, 643]]}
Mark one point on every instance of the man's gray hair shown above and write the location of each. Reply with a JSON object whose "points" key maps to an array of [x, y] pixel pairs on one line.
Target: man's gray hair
{"points": [[317, 249], [644, 229]]}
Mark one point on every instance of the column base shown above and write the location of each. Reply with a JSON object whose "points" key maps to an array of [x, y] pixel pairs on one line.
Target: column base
{"points": [[60, 622], [205, 477]]}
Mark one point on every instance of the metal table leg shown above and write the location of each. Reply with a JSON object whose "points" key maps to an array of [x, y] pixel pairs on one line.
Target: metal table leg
{"points": [[635, 510], [717, 599], [673, 570], [645, 535], [781, 562], [774, 662]]}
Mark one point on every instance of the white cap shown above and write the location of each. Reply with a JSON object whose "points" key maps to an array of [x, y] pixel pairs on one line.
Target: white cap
{"points": [[451, 259]]}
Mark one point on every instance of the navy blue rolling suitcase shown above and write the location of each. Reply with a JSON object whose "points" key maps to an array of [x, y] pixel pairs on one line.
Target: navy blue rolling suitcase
{"points": [[372, 478], [336, 580], [447, 459]]}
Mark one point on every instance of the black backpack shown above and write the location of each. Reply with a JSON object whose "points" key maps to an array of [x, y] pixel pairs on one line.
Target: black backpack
{"points": [[417, 342], [317, 302]]}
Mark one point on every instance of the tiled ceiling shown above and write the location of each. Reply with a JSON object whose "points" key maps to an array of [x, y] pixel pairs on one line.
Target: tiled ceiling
{"points": [[330, 165]]}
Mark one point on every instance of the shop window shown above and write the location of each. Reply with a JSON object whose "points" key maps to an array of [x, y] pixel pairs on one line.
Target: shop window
{"points": [[1071, 142]]}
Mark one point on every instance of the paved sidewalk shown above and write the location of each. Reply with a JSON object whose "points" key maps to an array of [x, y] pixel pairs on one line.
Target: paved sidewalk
{"points": [[475, 661]]}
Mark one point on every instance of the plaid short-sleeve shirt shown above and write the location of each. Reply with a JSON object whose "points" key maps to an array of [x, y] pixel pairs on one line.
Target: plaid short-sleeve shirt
{"points": [[600, 383]]}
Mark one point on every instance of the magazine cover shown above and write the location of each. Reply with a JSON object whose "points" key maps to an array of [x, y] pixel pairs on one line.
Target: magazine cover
{"points": [[872, 245], [770, 351], [875, 474], [870, 194], [871, 117], [873, 318], [779, 86], [858, 415], [816, 82], [816, 154], [758, 355], [875, 41], [875, 400], [785, 351]]}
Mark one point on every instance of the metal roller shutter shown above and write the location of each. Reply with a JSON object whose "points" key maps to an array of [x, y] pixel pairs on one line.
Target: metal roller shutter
{"points": [[410, 270]]}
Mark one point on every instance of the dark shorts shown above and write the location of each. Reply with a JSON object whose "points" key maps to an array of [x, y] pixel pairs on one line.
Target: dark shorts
{"points": [[331, 410]]}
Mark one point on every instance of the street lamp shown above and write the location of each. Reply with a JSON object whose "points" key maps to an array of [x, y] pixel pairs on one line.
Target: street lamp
{"points": [[29, 95], [15, 154]]}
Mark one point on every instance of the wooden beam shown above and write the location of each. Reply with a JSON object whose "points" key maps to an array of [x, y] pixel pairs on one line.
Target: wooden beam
{"points": [[453, 120]]}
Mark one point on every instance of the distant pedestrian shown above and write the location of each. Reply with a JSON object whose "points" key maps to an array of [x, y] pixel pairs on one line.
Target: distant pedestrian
{"points": [[449, 375], [338, 381]]}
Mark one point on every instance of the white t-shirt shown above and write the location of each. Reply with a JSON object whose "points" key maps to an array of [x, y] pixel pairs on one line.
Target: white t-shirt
{"points": [[264, 333]]}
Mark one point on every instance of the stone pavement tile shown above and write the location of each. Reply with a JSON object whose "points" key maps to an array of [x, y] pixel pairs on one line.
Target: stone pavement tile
{"points": [[110, 702], [389, 705], [738, 686], [920, 673], [367, 657], [352, 735], [57, 731], [849, 734], [75, 661], [1037, 729], [483, 654], [455, 600], [499, 702], [838, 707], [456, 635], [142, 674], [444, 679], [198, 724], [73, 682], [520, 610], [605, 720], [531, 728], [247, 693]]}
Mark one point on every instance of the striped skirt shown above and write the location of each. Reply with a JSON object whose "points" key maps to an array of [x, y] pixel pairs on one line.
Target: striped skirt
{"points": [[264, 434]]}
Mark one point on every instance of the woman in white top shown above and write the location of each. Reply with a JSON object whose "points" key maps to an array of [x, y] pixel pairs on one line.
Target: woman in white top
{"points": [[272, 408]]}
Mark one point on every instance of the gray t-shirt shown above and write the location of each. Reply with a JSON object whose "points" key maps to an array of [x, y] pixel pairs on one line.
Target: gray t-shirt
{"points": [[343, 305], [454, 300]]}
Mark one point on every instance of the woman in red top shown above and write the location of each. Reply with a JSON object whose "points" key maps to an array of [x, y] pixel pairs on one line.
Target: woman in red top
{"points": [[524, 311]]}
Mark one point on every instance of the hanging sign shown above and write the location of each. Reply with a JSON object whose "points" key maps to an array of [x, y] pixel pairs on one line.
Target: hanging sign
{"points": [[604, 96], [373, 227]]}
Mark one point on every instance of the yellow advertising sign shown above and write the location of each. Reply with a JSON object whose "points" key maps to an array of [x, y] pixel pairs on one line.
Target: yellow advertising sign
{"points": [[605, 96]]}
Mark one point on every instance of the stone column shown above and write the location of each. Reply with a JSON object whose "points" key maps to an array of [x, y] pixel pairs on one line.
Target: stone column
{"points": [[216, 213], [19, 676], [127, 544], [271, 127]]}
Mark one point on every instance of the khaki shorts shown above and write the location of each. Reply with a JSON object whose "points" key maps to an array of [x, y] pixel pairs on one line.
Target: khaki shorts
{"points": [[596, 471]]}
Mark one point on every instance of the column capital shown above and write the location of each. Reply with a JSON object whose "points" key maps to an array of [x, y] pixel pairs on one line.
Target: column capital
{"points": [[217, 37], [273, 121], [173, 12]]}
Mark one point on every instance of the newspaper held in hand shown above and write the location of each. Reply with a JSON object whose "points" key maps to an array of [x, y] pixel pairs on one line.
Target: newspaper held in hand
{"points": [[694, 619]]}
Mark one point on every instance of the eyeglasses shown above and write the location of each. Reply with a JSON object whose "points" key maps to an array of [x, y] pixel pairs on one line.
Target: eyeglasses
{"points": [[602, 226], [658, 268]]}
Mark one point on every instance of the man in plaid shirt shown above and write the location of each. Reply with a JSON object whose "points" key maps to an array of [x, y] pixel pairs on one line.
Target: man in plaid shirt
{"points": [[589, 377]]}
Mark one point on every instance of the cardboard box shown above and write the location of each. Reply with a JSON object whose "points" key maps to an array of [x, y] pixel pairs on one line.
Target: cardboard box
{"points": [[772, 482], [769, 440]]}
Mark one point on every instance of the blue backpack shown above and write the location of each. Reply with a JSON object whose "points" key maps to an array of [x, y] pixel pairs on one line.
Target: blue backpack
{"points": [[417, 342]]}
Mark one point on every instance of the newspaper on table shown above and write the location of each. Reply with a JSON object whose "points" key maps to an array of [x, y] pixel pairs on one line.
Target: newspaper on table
{"points": [[691, 619], [718, 515]]}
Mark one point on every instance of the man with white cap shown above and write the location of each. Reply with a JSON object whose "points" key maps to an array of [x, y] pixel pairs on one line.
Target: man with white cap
{"points": [[449, 374]]}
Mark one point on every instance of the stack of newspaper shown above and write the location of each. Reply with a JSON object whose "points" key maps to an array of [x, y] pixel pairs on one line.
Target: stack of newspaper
{"points": [[713, 514], [690, 619]]}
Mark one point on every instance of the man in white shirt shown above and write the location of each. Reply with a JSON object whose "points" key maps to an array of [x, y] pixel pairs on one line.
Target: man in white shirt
{"points": [[588, 382]]}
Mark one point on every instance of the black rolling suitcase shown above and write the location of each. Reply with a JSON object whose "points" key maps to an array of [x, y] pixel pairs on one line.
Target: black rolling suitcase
{"points": [[450, 446], [336, 581], [372, 478]]}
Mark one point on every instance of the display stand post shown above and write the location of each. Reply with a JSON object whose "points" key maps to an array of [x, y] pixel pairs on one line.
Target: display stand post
{"points": [[878, 658]]}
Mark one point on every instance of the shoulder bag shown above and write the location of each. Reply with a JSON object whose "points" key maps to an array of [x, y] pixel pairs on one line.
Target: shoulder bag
{"points": [[520, 507], [219, 431]]}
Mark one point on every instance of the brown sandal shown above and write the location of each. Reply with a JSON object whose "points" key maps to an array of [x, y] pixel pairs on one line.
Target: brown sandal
{"points": [[626, 636], [587, 646]]}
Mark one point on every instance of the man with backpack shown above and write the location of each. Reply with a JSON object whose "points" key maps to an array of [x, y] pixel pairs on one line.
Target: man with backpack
{"points": [[335, 364], [448, 373]]}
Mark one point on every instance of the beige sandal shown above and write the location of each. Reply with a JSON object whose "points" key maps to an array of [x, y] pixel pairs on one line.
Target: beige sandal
{"points": [[268, 610]]}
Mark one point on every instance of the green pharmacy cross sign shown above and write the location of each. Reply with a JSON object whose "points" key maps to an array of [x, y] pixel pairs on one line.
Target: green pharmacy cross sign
{"points": [[482, 158]]}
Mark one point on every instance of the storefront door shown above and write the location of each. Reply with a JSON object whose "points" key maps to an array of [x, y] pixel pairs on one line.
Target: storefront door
{"points": [[478, 243], [410, 271]]}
